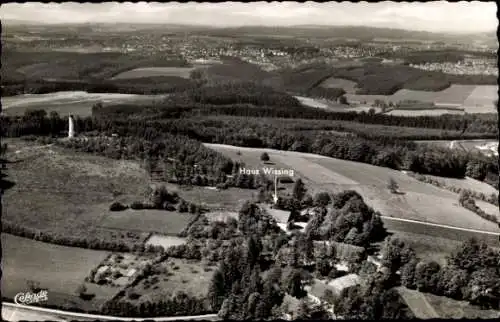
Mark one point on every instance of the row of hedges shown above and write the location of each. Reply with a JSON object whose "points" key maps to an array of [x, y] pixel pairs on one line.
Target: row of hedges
{"points": [[89, 242], [468, 202], [493, 198]]}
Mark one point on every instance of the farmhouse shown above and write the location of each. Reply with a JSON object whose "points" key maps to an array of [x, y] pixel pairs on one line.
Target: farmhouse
{"points": [[336, 286]]}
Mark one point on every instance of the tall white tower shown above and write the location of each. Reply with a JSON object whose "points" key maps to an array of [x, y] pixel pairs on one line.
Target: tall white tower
{"points": [[71, 127], [275, 196]]}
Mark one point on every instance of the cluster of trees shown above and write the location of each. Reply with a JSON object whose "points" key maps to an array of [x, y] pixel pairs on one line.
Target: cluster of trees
{"points": [[349, 221], [180, 304], [492, 198], [188, 154], [237, 289], [472, 273], [241, 93], [467, 201], [373, 300]]}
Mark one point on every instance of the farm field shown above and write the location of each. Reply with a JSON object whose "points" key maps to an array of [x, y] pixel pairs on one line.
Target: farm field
{"points": [[427, 112], [482, 98], [230, 199], [462, 144], [73, 102], [470, 98], [181, 275], [183, 72], [418, 304], [448, 308], [221, 215], [417, 201], [331, 106], [165, 241], [454, 95], [149, 220], [333, 82], [66, 192], [466, 183], [58, 269]]}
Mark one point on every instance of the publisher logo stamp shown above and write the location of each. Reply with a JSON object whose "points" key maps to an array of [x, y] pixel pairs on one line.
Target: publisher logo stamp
{"points": [[30, 298]]}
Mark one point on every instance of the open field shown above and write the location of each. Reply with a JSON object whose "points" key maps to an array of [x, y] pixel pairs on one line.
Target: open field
{"points": [[418, 304], [454, 99], [465, 145], [330, 105], [149, 220], [429, 112], [58, 269], [454, 95], [181, 276], [165, 241], [231, 199], [448, 308], [73, 102], [482, 98], [466, 183], [183, 72], [221, 215], [347, 85], [417, 200], [429, 247], [66, 192]]}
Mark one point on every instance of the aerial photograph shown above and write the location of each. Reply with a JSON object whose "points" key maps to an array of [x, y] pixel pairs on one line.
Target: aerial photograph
{"points": [[249, 161]]}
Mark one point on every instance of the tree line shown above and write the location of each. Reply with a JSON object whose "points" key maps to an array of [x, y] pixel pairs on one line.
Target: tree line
{"points": [[184, 136], [471, 273]]}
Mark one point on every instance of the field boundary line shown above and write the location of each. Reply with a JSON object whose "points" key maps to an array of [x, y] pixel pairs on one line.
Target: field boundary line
{"points": [[441, 225]]}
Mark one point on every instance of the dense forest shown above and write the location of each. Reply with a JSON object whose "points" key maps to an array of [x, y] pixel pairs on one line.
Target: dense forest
{"points": [[265, 133]]}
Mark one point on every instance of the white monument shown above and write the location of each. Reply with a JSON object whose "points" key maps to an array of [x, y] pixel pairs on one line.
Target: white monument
{"points": [[71, 127]]}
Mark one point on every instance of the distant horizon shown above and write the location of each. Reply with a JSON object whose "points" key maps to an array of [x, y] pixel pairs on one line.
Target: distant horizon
{"points": [[434, 17], [16, 22]]}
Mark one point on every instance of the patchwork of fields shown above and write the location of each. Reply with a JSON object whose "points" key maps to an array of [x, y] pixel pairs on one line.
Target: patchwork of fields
{"points": [[454, 99]]}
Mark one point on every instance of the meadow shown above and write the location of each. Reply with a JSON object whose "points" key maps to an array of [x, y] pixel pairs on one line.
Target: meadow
{"points": [[416, 200], [333, 82], [165, 241], [157, 221], [59, 269], [448, 308], [68, 193], [181, 275], [183, 72], [73, 102], [471, 98]]}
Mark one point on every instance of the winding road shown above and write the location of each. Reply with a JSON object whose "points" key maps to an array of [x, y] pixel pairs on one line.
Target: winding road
{"points": [[15, 312]]}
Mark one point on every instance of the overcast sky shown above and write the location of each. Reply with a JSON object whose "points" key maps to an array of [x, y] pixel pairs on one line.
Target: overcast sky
{"points": [[430, 16]]}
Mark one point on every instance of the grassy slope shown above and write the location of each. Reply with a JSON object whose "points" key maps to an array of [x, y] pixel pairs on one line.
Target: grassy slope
{"points": [[418, 203], [64, 191], [59, 269]]}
